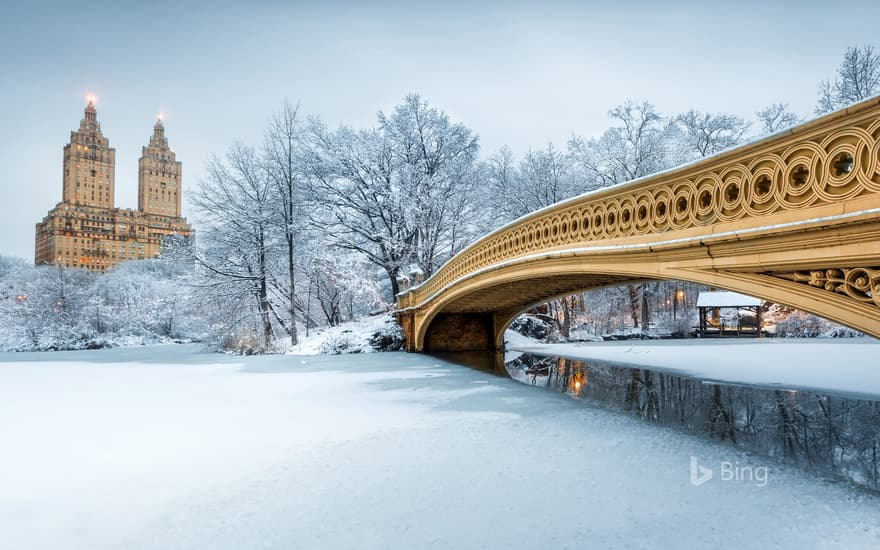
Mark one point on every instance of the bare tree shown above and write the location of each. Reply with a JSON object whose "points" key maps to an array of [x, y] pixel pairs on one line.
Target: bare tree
{"points": [[858, 79], [776, 117]]}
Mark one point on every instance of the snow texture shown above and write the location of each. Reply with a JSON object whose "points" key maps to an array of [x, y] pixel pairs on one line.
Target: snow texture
{"points": [[847, 367], [362, 336], [167, 447]]}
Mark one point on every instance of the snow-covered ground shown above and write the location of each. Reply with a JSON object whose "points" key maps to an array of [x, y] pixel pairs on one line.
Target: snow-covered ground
{"points": [[166, 447], [348, 337], [849, 367]]}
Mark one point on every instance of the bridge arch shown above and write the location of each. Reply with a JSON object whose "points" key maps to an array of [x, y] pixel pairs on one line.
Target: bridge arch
{"points": [[794, 219], [551, 279]]}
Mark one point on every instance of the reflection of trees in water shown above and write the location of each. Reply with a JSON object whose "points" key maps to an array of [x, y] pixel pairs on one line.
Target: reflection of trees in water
{"points": [[827, 434]]}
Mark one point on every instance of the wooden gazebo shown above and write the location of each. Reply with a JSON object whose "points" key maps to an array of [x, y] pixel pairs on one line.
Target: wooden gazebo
{"points": [[714, 323]]}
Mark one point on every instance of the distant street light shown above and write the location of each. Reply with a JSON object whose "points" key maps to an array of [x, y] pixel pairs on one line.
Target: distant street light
{"points": [[679, 295]]}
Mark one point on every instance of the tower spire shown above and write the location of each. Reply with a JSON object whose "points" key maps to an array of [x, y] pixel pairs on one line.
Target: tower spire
{"points": [[158, 139], [159, 174], [90, 120]]}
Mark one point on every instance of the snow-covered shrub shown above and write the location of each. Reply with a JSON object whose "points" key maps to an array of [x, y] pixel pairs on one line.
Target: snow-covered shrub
{"points": [[799, 324], [532, 326], [369, 334], [839, 331], [241, 343], [389, 338], [45, 308], [345, 342]]}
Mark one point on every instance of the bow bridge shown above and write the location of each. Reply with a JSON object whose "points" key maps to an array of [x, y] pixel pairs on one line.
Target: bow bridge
{"points": [[793, 218]]}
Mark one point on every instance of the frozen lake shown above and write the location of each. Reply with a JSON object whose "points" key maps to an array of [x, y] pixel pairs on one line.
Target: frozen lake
{"points": [[167, 447]]}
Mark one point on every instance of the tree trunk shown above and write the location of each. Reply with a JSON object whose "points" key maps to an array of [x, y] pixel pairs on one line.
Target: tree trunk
{"points": [[565, 328], [264, 296], [395, 288], [634, 304], [291, 275]]}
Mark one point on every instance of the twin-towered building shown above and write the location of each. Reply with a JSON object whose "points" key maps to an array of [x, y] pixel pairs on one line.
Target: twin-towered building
{"points": [[85, 229]]}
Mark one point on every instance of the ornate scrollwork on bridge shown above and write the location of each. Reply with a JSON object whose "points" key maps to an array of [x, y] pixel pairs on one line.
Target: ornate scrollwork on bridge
{"points": [[826, 161], [859, 283]]}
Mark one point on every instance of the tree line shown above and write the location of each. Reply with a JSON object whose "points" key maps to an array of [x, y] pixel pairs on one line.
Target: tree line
{"points": [[317, 225]]}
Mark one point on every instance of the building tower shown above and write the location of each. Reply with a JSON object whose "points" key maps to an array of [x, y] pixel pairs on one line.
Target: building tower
{"points": [[85, 229], [89, 164], [159, 176]]}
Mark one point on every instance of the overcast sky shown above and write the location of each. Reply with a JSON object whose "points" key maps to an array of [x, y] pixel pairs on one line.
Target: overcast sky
{"points": [[517, 73]]}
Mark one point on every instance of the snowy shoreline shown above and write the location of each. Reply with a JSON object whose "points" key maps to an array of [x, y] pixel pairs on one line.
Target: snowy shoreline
{"points": [[849, 368]]}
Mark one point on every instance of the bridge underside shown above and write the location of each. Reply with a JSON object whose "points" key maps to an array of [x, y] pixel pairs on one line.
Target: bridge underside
{"points": [[830, 275], [477, 321]]}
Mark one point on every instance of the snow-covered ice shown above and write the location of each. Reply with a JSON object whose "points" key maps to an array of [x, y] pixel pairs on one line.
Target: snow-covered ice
{"points": [[167, 447], [847, 367]]}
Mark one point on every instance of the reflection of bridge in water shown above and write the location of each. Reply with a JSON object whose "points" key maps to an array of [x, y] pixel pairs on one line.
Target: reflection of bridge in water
{"points": [[790, 426], [793, 218]]}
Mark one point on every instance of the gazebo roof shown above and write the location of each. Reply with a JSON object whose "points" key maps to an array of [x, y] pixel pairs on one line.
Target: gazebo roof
{"points": [[727, 299]]}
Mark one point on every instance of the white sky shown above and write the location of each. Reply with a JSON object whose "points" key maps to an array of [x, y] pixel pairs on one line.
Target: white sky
{"points": [[518, 74]]}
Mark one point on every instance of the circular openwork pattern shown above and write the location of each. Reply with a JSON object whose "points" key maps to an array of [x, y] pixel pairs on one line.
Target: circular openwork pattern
{"points": [[839, 164]]}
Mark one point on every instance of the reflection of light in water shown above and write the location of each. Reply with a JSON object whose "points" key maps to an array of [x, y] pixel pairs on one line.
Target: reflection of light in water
{"points": [[579, 379]]}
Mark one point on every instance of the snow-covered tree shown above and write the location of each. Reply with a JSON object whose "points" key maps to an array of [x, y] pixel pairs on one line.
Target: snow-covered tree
{"points": [[858, 79], [705, 134], [239, 237], [776, 117], [540, 179], [283, 150], [400, 193], [639, 143], [342, 285], [53, 307]]}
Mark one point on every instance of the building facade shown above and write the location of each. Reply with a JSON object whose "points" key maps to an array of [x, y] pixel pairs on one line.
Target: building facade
{"points": [[86, 229]]}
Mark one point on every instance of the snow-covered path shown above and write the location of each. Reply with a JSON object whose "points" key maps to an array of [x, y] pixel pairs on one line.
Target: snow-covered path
{"points": [[165, 447]]}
